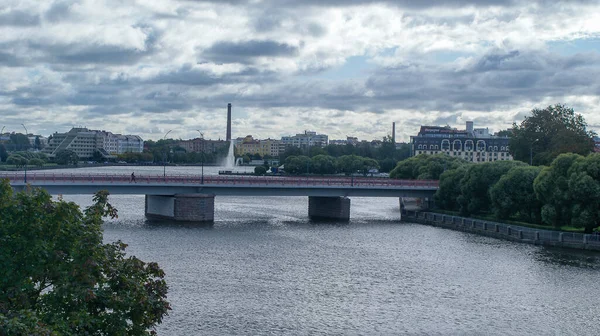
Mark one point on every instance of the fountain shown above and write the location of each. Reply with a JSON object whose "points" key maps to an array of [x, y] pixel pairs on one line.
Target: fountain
{"points": [[229, 161]]}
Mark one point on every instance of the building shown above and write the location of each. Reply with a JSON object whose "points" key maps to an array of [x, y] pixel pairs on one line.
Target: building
{"points": [[597, 144], [305, 140], [85, 143], [199, 145], [249, 146], [476, 145], [349, 141]]}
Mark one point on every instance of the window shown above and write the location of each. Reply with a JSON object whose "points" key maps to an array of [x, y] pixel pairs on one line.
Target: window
{"points": [[480, 146], [469, 145], [446, 144], [457, 145]]}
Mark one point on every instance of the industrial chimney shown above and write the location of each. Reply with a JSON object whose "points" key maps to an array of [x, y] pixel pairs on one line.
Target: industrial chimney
{"points": [[394, 133], [228, 136]]}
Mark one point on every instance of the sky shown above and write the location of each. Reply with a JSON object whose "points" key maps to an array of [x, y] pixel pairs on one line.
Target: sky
{"points": [[341, 68]]}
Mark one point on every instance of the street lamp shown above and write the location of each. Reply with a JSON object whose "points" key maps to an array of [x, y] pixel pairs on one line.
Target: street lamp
{"points": [[165, 159], [531, 151], [202, 160]]}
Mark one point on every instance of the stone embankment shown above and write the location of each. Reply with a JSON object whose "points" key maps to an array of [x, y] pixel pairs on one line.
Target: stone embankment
{"points": [[506, 231]]}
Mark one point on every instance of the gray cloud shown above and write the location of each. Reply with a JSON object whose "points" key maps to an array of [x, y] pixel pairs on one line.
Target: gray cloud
{"points": [[60, 10], [410, 4], [246, 51], [19, 18]]}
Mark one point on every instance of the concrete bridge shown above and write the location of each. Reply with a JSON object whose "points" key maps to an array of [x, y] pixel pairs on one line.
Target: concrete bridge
{"points": [[191, 197]]}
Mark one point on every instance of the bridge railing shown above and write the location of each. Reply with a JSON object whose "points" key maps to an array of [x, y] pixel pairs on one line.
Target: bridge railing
{"points": [[34, 178]]}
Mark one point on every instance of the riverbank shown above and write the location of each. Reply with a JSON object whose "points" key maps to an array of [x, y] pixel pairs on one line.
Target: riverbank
{"points": [[505, 231]]}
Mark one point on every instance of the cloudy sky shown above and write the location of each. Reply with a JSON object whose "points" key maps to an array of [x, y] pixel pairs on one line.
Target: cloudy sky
{"points": [[337, 67]]}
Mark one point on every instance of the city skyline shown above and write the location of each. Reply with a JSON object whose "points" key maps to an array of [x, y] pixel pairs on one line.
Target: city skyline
{"points": [[334, 68]]}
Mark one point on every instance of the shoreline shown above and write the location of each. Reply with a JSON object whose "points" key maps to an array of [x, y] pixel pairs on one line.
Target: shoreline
{"points": [[521, 234]]}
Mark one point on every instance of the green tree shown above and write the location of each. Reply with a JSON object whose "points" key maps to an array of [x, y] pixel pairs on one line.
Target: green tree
{"points": [[349, 164], [66, 157], [17, 160], [97, 156], [446, 197], [323, 164], [58, 278], [260, 170], [297, 165], [479, 178], [549, 132], [551, 187], [513, 195], [426, 167], [38, 143], [36, 162], [584, 191], [19, 142], [386, 165], [290, 151], [3, 153]]}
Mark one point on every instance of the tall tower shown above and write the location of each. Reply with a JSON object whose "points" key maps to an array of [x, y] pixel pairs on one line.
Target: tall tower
{"points": [[228, 136], [394, 133]]}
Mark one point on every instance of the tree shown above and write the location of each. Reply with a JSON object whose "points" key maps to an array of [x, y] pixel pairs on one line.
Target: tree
{"points": [[58, 278], [20, 141], [290, 151], [66, 157], [17, 160], [446, 197], [38, 143], [549, 132], [36, 162], [584, 190], [3, 153], [97, 156], [551, 187], [297, 165], [426, 167], [260, 170], [513, 195], [322, 164], [479, 178]]}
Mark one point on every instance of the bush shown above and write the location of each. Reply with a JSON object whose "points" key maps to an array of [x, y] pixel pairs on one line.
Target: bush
{"points": [[260, 170]]}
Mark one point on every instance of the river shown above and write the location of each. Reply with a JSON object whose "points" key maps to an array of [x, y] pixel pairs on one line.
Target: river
{"points": [[264, 269]]}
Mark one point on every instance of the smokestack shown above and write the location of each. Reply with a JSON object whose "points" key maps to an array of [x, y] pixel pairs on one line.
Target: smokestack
{"points": [[228, 136], [394, 133]]}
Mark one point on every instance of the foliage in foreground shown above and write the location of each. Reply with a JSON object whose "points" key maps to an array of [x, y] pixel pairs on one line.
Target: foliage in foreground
{"points": [[58, 278]]}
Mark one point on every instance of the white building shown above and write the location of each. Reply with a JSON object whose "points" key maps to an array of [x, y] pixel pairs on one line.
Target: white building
{"points": [[307, 139], [85, 143]]}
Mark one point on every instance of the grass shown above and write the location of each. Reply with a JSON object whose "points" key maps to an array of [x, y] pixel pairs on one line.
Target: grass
{"points": [[490, 217]]}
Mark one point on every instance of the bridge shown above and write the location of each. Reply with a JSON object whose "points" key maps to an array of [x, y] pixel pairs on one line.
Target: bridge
{"points": [[191, 197]]}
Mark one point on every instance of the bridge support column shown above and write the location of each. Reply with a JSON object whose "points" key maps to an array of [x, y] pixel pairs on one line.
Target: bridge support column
{"points": [[337, 208], [181, 207]]}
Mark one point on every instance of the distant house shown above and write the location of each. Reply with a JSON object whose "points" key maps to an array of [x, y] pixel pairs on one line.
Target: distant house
{"points": [[597, 144]]}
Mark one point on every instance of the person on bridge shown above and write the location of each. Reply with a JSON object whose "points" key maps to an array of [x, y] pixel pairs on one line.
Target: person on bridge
{"points": [[132, 178]]}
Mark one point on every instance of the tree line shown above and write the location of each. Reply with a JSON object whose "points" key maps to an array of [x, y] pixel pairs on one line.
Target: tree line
{"points": [[326, 164], [565, 193]]}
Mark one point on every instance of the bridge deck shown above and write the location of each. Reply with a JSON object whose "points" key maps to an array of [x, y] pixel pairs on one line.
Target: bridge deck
{"points": [[224, 185]]}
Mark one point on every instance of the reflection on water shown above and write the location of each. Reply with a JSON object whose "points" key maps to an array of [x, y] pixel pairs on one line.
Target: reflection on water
{"points": [[264, 268]]}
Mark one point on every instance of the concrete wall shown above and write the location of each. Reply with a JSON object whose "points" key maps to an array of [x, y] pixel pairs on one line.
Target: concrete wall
{"points": [[336, 208], [506, 231], [160, 207], [194, 208]]}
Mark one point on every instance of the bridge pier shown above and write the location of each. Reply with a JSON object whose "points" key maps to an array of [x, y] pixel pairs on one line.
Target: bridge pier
{"points": [[337, 208], [181, 207]]}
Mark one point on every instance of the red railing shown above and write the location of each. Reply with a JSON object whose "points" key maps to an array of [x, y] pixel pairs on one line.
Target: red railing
{"points": [[291, 181]]}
